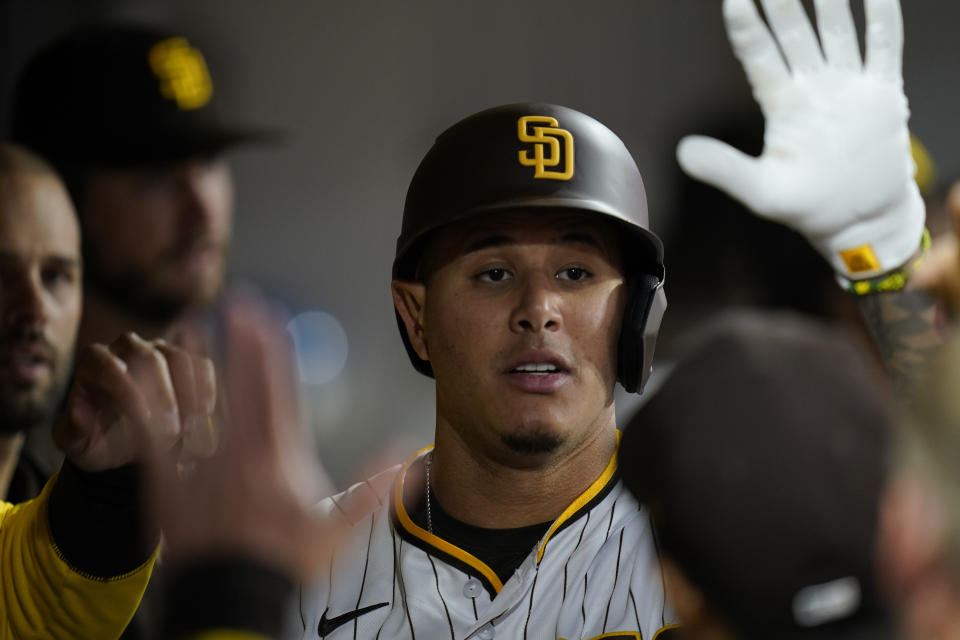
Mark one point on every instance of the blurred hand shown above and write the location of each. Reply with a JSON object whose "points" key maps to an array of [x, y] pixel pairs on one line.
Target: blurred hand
{"points": [[836, 163], [254, 498], [132, 387], [939, 273]]}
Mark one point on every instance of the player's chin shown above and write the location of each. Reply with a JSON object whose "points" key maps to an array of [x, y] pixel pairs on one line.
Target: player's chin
{"points": [[536, 443], [26, 408], [191, 291]]}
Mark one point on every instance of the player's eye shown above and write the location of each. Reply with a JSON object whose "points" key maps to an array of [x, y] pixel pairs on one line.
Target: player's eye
{"points": [[55, 276], [573, 274], [493, 275]]}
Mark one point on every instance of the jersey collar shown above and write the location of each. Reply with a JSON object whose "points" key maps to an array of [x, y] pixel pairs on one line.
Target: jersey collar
{"points": [[466, 561]]}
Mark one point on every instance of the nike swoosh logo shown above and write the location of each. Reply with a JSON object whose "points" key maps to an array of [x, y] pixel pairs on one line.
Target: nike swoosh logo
{"points": [[328, 626]]}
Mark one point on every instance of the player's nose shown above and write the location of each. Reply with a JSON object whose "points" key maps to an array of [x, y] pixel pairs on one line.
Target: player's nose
{"points": [[537, 306], [22, 299]]}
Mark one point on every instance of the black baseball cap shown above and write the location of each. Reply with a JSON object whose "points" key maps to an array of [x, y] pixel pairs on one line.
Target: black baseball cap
{"points": [[762, 460], [120, 95]]}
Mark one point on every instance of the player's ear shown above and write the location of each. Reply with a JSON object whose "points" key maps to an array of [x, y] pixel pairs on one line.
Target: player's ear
{"points": [[409, 300]]}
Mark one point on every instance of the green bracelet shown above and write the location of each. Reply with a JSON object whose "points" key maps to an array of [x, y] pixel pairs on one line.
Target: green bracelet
{"points": [[892, 281]]}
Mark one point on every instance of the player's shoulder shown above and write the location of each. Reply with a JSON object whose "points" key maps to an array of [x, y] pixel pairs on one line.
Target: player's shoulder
{"points": [[622, 511], [362, 498]]}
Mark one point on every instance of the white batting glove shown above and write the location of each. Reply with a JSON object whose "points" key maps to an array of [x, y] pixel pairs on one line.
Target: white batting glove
{"points": [[836, 162]]}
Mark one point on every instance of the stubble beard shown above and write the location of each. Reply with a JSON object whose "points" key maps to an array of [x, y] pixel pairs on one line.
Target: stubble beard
{"points": [[19, 412], [134, 292], [537, 443]]}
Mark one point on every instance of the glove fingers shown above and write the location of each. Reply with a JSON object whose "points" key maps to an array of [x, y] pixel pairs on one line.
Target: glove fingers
{"points": [[755, 47], [799, 43], [720, 165], [838, 35], [884, 38]]}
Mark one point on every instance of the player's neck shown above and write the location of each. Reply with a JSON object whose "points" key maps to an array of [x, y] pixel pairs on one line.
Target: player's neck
{"points": [[482, 491], [103, 322]]}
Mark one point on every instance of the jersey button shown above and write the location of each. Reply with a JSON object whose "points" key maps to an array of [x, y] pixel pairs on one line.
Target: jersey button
{"points": [[485, 632], [472, 589]]}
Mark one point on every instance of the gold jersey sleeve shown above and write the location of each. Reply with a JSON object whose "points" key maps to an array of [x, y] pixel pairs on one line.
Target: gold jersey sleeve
{"points": [[42, 596]]}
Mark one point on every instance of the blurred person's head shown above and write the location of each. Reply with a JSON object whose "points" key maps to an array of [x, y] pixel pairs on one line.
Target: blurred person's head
{"points": [[762, 461], [40, 290], [920, 541], [127, 116]]}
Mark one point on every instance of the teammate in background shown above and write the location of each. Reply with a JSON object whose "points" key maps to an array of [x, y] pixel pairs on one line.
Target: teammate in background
{"points": [[90, 583], [140, 149], [40, 304], [76, 559], [526, 284], [765, 491], [143, 162]]}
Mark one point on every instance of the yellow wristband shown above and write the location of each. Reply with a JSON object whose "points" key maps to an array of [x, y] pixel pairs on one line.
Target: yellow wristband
{"points": [[892, 281]]}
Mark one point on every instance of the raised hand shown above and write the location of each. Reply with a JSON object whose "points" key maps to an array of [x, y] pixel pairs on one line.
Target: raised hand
{"points": [[836, 162], [255, 497], [134, 386]]}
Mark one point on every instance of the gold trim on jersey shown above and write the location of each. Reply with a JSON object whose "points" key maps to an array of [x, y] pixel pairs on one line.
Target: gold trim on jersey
{"points": [[632, 635], [665, 628], [584, 499], [435, 541], [571, 512]]}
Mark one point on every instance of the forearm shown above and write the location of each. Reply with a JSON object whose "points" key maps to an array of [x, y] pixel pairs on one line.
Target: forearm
{"points": [[96, 521], [908, 327]]}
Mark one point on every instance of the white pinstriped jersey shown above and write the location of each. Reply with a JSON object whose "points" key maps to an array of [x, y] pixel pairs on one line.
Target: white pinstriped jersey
{"points": [[593, 575]]}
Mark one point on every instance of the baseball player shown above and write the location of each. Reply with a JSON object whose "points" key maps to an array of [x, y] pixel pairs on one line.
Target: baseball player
{"points": [[75, 561], [526, 283], [142, 154], [524, 241]]}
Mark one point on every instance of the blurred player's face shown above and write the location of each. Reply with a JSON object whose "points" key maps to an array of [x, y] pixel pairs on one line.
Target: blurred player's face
{"points": [[40, 297], [520, 321], [156, 241]]}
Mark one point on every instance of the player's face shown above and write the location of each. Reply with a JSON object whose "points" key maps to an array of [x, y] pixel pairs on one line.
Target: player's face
{"points": [[40, 297], [521, 318], [156, 241]]}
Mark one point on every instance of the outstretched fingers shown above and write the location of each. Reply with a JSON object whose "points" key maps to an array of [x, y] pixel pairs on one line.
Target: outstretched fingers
{"points": [[724, 167], [195, 385], [884, 39], [797, 40], [838, 34], [755, 47]]}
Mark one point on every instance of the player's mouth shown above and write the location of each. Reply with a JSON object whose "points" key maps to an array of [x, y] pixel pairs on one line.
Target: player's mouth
{"points": [[537, 371], [24, 362]]}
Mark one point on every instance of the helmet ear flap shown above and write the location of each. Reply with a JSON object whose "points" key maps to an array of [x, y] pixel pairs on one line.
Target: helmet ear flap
{"points": [[642, 314]]}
